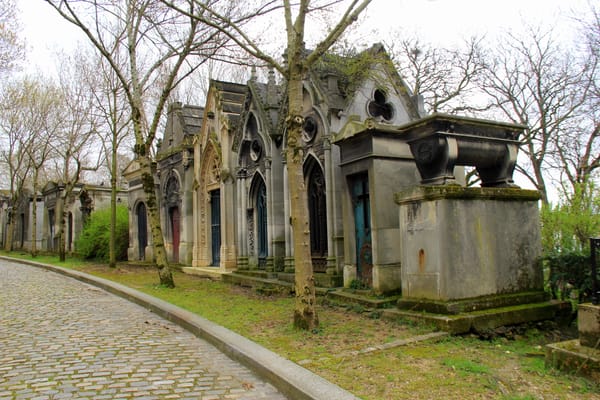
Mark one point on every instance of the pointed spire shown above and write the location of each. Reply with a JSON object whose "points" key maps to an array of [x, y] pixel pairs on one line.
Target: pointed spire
{"points": [[271, 88]]}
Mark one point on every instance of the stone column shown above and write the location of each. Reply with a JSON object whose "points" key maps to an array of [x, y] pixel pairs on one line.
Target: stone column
{"points": [[228, 245], [588, 323], [269, 267], [289, 253], [241, 213], [329, 198]]}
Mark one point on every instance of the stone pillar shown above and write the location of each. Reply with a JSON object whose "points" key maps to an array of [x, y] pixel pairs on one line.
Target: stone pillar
{"points": [[228, 245], [465, 249], [588, 323], [269, 267], [241, 214], [329, 198], [289, 247]]}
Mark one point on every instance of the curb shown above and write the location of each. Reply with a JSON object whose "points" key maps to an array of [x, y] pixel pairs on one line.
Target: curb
{"points": [[289, 378]]}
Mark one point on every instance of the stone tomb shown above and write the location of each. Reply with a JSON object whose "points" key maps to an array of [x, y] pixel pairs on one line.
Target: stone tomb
{"points": [[466, 249]]}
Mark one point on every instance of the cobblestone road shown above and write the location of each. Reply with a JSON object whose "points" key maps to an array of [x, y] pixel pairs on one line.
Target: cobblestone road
{"points": [[63, 339]]}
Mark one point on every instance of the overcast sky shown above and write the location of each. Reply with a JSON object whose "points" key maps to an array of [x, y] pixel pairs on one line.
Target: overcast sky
{"points": [[441, 22]]}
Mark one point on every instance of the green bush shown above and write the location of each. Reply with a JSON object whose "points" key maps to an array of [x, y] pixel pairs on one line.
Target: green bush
{"points": [[570, 272], [566, 230], [93, 243]]}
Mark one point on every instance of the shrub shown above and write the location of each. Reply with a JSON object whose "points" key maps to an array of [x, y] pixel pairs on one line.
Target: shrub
{"points": [[93, 243], [570, 271]]}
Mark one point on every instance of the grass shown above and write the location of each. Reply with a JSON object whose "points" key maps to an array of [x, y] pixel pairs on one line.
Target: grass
{"points": [[458, 367]]}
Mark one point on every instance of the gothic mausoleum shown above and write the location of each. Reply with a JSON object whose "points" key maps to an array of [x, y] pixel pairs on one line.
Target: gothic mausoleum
{"points": [[389, 209]]}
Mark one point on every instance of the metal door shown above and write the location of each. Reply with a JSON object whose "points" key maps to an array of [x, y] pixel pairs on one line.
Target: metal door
{"points": [[362, 222], [317, 209], [175, 230], [142, 230], [261, 224], [215, 226]]}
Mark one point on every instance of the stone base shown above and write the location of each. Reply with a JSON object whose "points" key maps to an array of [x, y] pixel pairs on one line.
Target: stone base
{"points": [[481, 321], [571, 356], [258, 273], [206, 272], [588, 322], [472, 304], [321, 280]]}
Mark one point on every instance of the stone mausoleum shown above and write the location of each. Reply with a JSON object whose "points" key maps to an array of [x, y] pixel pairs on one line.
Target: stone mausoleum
{"points": [[389, 210]]}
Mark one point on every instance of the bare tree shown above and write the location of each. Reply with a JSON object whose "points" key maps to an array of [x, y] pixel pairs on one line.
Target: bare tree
{"points": [[15, 141], [579, 150], [446, 78], [39, 112], [151, 49], [114, 125], [533, 81], [74, 145], [294, 68], [12, 48]]}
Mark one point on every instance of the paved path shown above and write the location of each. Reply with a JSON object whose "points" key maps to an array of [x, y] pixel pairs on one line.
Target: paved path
{"points": [[62, 339]]}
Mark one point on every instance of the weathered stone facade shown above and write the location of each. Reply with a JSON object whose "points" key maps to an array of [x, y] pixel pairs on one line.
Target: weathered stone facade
{"points": [[78, 206], [365, 139]]}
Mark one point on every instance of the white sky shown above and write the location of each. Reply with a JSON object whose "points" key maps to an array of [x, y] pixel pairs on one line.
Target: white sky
{"points": [[441, 22]]}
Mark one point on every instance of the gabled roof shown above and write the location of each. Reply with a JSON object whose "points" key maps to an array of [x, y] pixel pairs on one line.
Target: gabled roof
{"points": [[191, 118], [350, 72], [230, 97], [267, 98]]}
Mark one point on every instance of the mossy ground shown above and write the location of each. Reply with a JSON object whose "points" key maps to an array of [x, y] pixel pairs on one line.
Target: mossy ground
{"points": [[456, 367]]}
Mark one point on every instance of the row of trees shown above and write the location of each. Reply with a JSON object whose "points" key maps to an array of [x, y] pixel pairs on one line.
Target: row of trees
{"points": [[142, 51]]}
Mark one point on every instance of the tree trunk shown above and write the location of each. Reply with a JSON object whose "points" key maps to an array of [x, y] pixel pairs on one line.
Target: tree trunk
{"points": [[34, 220], [10, 230], [158, 245], [112, 259], [60, 223], [305, 314]]}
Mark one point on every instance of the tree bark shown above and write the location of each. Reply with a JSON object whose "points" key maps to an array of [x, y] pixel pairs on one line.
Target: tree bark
{"points": [[305, 313], [34, 217], [10, 230], [158, 245], [112, 258]]}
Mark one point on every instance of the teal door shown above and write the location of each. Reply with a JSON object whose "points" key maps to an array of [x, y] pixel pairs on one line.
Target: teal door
{"points": [[362, 222]]}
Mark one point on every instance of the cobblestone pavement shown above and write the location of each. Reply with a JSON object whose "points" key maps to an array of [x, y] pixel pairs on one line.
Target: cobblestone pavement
{"points": [[64, 339]]}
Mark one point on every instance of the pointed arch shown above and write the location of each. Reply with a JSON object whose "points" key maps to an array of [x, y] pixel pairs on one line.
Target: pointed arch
{"points": [[208, 194], [317, 209], [258, 220], [172, 213], [142, 229]]}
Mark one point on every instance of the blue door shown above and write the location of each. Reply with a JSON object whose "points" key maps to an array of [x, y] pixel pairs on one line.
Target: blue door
{"points": [[362, 222], [215, 226]]}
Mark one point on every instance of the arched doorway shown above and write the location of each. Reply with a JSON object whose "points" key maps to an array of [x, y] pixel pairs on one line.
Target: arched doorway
{"points": [[359, 185], [174, 218], [142, 225], [215, 226], [258, 221], [70, 232], [317, 209]]}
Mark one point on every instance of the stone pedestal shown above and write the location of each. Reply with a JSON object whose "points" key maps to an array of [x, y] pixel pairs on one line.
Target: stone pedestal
{"points": [[461, 245], [581, 356], [588, 322]]}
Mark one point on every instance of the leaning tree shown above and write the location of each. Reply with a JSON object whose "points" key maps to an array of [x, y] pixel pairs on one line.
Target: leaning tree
{"points": [[151, 49], [296, 21]]}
